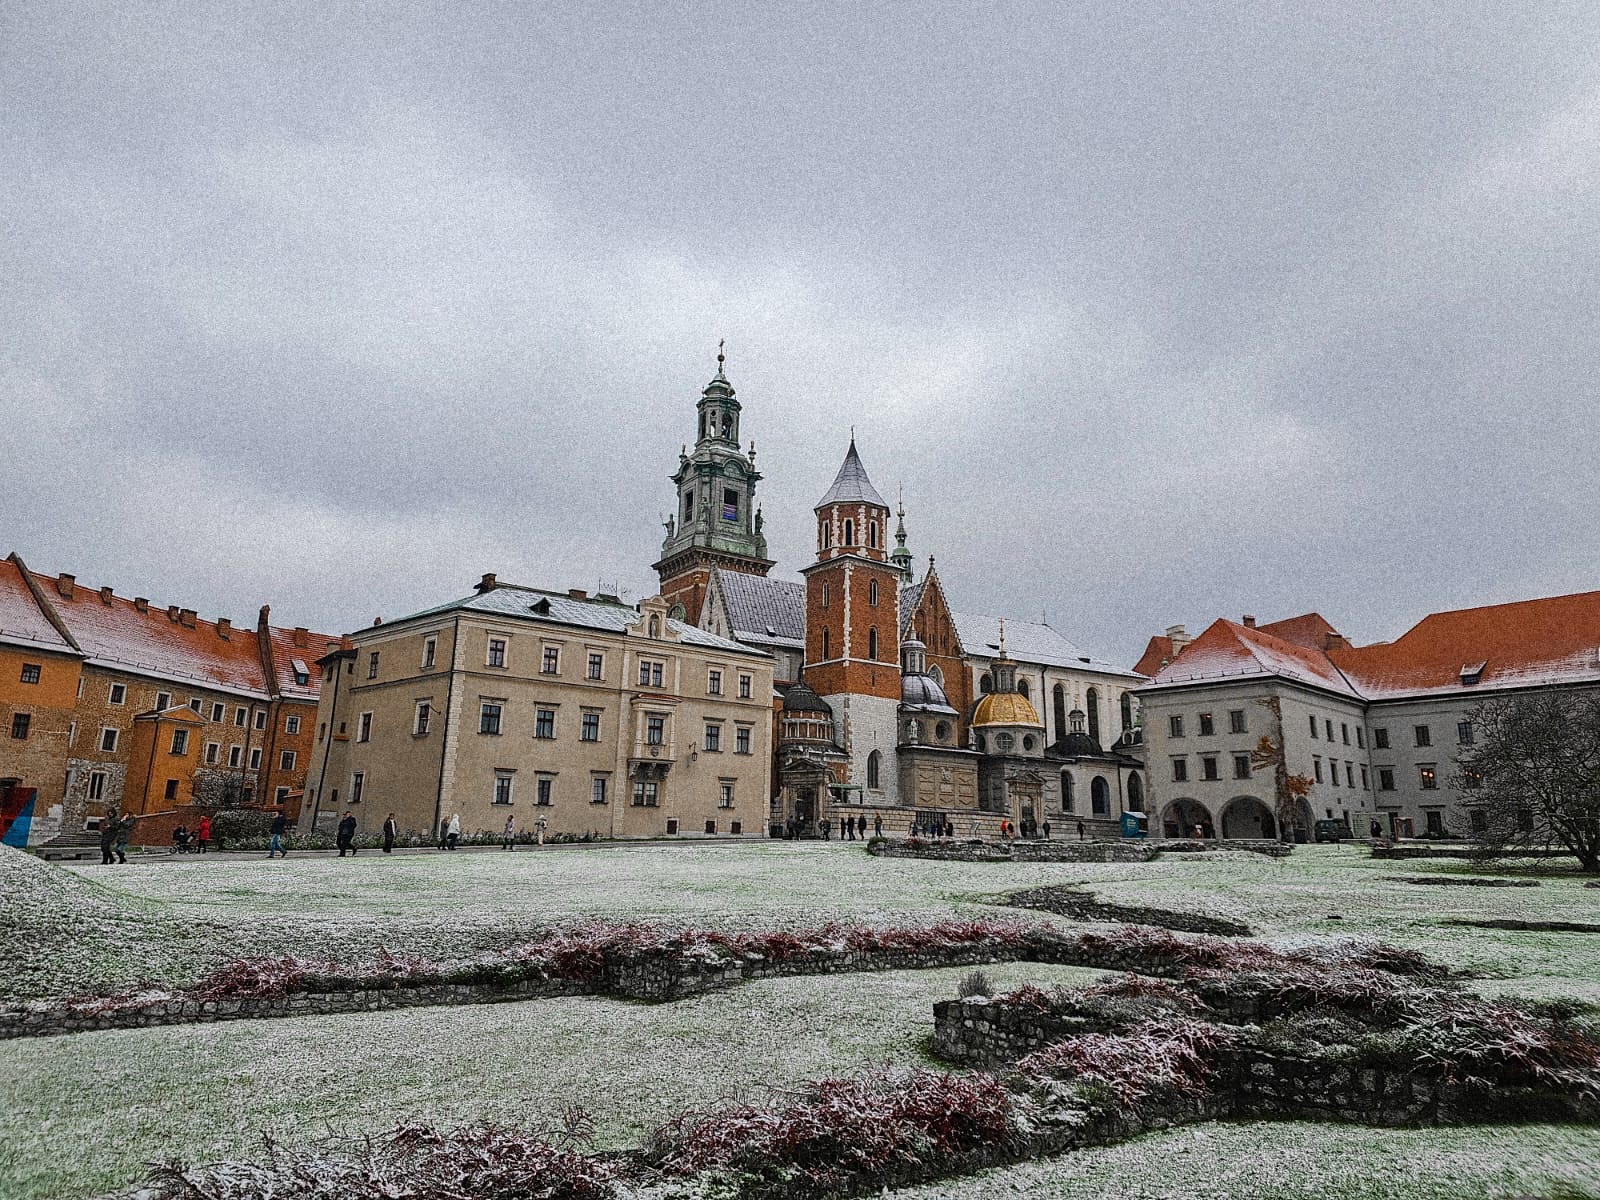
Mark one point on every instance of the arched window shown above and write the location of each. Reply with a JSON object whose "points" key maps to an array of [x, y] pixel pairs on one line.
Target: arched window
{"points": [[702, 426], [1100, 796], [824, 595], [1094, 716], [872, 593], [1022, 686], [980, 744], [985, 684], [824, 643], [873, 761], [872, 534], [849, 532], [727, 425], [1135, 794], [872, 643], [1069, 802], [1058, 701], [1127, 711], [688, 507], [827, 534], [938, 675]]}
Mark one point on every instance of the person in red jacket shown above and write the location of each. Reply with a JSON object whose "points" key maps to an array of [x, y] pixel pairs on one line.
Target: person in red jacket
{"points": [[202, 833]]}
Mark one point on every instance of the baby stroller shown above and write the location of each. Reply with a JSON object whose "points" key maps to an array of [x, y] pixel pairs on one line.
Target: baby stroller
{"points": [[184, 842]]}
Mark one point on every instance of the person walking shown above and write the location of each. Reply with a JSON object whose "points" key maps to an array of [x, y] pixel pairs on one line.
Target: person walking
{"points": [[861, 826], [202, 833], [391, 830], [347, 834], [124, 832], [453, 833], [877, 825], [280, 831], [1047, 830], [508, 838], [108, 837]]}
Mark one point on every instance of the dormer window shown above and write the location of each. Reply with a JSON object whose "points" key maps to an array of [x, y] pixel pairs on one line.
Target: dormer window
{"points": [[1472, 672]]}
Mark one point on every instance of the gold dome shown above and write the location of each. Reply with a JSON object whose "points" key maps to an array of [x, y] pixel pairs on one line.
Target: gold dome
{"points": [[1005, 708]]}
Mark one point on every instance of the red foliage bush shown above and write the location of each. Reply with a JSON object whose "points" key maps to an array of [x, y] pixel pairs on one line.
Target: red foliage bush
{"points": [[1174, 1057], [1479, 1041]]}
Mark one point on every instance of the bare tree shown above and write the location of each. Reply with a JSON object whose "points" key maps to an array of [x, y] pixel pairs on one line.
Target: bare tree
{"points": [[1533, 774]]}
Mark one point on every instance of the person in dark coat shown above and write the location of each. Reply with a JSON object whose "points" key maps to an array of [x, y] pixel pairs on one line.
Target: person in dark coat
{"points": [[108, 837], [280, 831], [347, 834], [877, 825], [124, 832], [1047, 831], [391, 830]]}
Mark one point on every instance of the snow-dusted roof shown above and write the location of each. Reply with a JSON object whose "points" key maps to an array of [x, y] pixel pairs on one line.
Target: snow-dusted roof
{"points": [[1229, 651], [1028, 642], [22, 623], [558, 608], [764, 610], [851, 485]]}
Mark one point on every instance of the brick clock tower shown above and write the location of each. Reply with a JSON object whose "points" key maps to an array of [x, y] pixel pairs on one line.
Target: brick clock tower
{"points": [[853, 629], [717, 523]]}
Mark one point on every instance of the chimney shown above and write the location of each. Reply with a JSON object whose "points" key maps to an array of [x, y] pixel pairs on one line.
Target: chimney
{"points": [[186, 617], [1249, 621], [487, 583], [1335, 641], [376, 621], [224, 629], [301, 635], [64, 585], [577, 594], [172, 612], [105, 596], [141, 604], [1178, 638]]}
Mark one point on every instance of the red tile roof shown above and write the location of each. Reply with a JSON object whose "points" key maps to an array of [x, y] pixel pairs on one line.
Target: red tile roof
{"points": [[1309, 630], [1156, 655], [1228, 650], [22, 621]]}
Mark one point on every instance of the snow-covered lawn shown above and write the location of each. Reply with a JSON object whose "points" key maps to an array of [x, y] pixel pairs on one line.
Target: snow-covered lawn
{"points": [[81, 1114]]}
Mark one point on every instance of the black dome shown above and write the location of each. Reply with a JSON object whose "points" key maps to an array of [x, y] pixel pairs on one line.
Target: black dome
{"points": [[801, 699]]}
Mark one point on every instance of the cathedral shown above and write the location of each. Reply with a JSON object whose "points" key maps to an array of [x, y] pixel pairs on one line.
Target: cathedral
{"points": [[888, 704]]}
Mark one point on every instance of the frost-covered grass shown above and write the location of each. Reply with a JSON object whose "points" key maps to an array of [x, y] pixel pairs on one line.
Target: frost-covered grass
{"points": [[1303, 1160], [84, 1112]]}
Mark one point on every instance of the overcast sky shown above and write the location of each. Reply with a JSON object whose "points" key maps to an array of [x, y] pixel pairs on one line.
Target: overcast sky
{"points": [[1158, 313]]}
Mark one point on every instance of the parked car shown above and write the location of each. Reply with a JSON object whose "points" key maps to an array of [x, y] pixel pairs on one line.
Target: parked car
{"points": [[1331, 831]]}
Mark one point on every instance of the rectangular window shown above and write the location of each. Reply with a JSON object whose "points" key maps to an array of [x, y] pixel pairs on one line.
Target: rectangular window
{"points": [[279, 795], [194, 704], [213, 751], [19, 725], [170, 792], [1208, 727], [644, 793], [713, 740], [163, 701], [30, 672], [1349, 774], [364, 727], [291, 725], [544, 723], [1329, 723], [744, 687], [741, 740], [725, 794], [1180, 770], [419, 726], [1316, 768], [1344, 733], [240, 717], [1386, 779], [1479, 820], [1380, 739], [430, 652], [1361, 741], [255, 759], [1365, 785], [488, 717], [544, 788], [1424, 735], [261, 718], [497, 653], [180, 741], [1175, 725], [118, 694], [1464, 733], [1208, 767], [654, 730], [711, 825], [218, 711], [597, 789], [713, 682], [1313, 721], [551, 664], [372, 665], [286, 760], [236, 756], [502, 787], [597, 665], [1236, 720], [97, 785], [1241, 766], [589, 731], [1428, 778], [358, 783], [650, 673], [1435, 822], [108, 741]]}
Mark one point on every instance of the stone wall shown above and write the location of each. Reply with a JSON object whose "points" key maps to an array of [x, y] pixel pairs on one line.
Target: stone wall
{"points": [[1269, 847], [1018, 851]]}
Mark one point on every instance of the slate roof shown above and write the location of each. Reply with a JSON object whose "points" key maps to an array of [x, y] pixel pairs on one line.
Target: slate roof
{"points": [[910, 597], [851, 485], [765, 610], [557, 608], [22, 622], [1027, 641]]}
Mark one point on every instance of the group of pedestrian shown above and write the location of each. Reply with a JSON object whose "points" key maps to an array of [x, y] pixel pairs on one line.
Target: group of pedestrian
{"points": [[192, 841], [850, 828], [115, 830], [931, 827], [450, 832]]}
